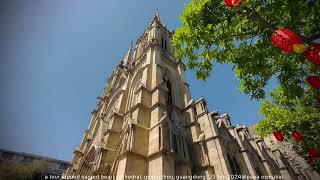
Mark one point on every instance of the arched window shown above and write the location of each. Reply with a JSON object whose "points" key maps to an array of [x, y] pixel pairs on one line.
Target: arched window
{"points": [[165, 45], [169, 93], [175, 145], [183, 147], [144, 43], [87, 164], [169, 97], [235, 168], [162, 42], [96, 127], [135, 97], [258, 172]]}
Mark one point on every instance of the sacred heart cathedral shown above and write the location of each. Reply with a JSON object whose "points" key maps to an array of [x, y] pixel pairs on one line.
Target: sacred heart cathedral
{"points": [[146, 125]]}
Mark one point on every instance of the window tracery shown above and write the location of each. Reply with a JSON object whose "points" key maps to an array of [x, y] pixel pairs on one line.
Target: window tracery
{"points": [[169, 101], [135, 96]]}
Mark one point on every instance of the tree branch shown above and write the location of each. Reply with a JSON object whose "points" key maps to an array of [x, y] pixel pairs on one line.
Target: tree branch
{"points": [[236, 35], [271, 26], [309, 40], [250, 12]]}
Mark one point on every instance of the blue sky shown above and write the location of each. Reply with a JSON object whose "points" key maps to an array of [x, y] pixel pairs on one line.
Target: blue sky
{"points": [[57, 57]]}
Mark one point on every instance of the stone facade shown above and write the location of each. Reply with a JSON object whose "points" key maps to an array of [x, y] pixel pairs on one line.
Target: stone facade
{"points": [[146, 123], [286, 157]]}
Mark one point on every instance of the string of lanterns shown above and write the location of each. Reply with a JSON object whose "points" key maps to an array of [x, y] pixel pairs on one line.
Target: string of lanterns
{"points": [[296, 135], [289, 42]]}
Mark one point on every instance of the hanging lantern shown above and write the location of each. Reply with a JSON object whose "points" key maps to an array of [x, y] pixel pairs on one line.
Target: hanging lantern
{"points": [[313, 54], [310, 160], [232, 3], [287, 41], [278, 135], [313, 153], [314, 81], [297, 136]]}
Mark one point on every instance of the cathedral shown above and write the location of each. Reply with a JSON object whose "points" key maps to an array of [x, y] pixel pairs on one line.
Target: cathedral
{"points": [[147, 126]]}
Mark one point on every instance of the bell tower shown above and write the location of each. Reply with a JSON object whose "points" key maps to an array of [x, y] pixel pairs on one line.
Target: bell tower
{"points": [[156, 103], [137, 127]]}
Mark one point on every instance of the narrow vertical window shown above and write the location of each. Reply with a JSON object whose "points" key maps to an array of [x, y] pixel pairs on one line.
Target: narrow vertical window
{"points": [[175, 143], [183, 149], [159, 137], [202, 106], [169, 100], [162, 43], [258, 171], [169, 94], [233, 169], [165, 45]]}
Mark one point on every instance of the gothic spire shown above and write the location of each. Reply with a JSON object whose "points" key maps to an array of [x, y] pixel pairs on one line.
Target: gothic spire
{"points": [[156, 18], [156, 14], [126, 61]]}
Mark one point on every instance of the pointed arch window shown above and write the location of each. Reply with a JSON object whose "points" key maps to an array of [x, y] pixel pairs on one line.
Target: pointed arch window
{"points": [[258, 172], [160, 137], [86, 167], [169, 97], [235, 168], [95, 130], [135, 96], [165, 45], [145, 43], [162, 42], [175, 144], [142, 45], [169, 93], [183, 147]]}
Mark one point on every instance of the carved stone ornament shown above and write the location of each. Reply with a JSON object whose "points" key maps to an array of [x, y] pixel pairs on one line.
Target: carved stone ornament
{"points": [[289, 152]]}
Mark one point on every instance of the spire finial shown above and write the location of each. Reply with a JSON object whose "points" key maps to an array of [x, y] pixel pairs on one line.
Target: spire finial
{"points": [[157, 17], [156, 14], [126, 60]]}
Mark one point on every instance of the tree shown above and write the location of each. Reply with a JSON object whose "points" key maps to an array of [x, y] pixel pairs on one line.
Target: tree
{"points": [[212, 33], [18, 171], [288, 115]]}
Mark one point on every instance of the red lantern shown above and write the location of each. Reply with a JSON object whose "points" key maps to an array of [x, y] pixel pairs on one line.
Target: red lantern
{"points": [[285, 39], [314, 81], [232, 3], [297, 136], [278, 135], [313, 54], [313, 153], [310, 160]]}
